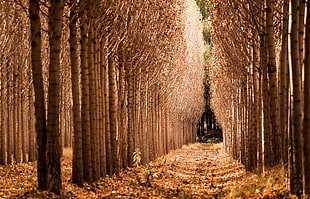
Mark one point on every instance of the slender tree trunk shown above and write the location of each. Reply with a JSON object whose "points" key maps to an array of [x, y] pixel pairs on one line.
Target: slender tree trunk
{"points": [[123, 111], [107, 118], [296, 173], [136, 101], [98, 94], [77, 161], [102, 66], [36, 46], [284, 85], [254, 110], [87, 169], [131, 134], [92, 100], [146, 129], [306, 131], [113, 104], [53, 132], [31, 127], [248, 123], [153, 141], [268, 155], [10, 119], [32, 156], [3, 117], [24, 133], [242, 118], [143, 123], [273, 82], [260, 126], [16, 119]]}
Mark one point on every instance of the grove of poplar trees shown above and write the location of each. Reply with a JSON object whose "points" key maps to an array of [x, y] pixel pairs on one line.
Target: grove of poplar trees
{"points": [[106, 78], [260, 84], [111, 78]]}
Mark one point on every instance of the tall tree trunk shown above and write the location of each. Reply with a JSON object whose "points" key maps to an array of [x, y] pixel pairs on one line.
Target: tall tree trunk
{"points": [[24, 133], [31, 127], [92, 100], [268, 155], [107, 117], [98, 94], [87, 169], [36, 45], [306, 130], [3, 117], [242, 118], [113, 104], [273, 84], [16, 113], [77, 161], [255, 108], [136, 113], [284, 85], [10, 119], [131, 134], [260, 126], [103, 164], [53, 131], [296, 172], [123, 110]]}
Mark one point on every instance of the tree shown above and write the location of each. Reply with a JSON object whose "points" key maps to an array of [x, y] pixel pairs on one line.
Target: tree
{"points": [[261, 34], [113, 104], [87, 170], [77, 161], [296, 156], [53, 132], [41, 128], [306, 130], [133, 63], [92, 97], [283, 93], [273, 88]]}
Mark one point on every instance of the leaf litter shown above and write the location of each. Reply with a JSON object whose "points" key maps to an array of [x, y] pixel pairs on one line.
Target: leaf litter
{"points": [[196, 171]]}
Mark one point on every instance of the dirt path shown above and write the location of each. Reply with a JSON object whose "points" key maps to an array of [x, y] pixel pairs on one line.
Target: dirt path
{"points": [[195, 171]]}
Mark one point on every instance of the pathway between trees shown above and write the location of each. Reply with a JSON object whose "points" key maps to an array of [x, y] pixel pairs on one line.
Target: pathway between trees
{"points": [[195, 171]]}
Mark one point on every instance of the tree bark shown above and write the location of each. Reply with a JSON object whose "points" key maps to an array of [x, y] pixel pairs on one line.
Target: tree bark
{"points": [[3, 117], [87, 169], [102, 66], [107, 116], [53, 146], [31, 127], [113, 104], [77, 161], [284, 84], [272, 74], [92, 100], [123, 110], [306, 131], [36, 45], [296, 172], [131, 134]]}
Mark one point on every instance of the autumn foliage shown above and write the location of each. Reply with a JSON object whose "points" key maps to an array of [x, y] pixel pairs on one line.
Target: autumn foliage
{"points": [[110, 77], [260, 84]]}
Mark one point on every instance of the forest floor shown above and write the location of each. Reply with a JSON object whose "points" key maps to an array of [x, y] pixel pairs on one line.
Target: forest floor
{"points": [[195, 171]]}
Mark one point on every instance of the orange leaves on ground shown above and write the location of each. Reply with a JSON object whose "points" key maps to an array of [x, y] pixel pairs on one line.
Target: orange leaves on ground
{"points": [[195, 171]]}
